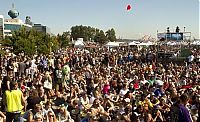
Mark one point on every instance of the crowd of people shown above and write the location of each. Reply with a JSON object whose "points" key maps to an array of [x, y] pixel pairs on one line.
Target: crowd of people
{"points": [[99, 85]]}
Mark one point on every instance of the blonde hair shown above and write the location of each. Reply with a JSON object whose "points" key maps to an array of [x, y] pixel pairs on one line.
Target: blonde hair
{"points": [[64, 111]]}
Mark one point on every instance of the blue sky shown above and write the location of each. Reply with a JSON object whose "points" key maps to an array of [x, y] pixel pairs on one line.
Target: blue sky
{"points": [[145, 18]]}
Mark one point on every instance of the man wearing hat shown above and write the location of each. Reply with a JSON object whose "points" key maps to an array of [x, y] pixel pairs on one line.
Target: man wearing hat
{"points": [[14, 102]]}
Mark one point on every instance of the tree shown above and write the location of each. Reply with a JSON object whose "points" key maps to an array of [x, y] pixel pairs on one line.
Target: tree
{"points": [[31, 41], [101, 38], [23, 41], [110, 34], [86, 32], [7, 42], [65, 39], [54, 43]]}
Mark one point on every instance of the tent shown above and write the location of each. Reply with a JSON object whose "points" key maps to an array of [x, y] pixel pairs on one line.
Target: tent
{"points": [[134, 43], [79, 43], [146, 43], [112, 44]]}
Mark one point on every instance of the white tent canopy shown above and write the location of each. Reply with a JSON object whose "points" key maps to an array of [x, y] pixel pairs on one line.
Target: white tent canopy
{"points": [[146, 43], [134, 43], [113, 44], [79, 43]]}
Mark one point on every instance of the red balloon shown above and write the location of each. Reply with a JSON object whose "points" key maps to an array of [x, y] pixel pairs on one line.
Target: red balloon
{"points": [[128, 7]]}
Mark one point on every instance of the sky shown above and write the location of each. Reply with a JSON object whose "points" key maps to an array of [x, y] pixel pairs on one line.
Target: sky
{"points": [[145, 18]]}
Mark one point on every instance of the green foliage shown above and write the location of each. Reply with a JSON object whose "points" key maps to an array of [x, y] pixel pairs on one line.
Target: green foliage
{"points": [[185, 52], [64, 39], [85, 32], [100, 37], [90, 33], [31, 41], [2, 52], [6, 42], [110, 34]]}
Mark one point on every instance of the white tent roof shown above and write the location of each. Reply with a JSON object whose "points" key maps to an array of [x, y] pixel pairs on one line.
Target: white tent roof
{"points": [[79, 43], [146, 43], [134, 43], [113, 44]]}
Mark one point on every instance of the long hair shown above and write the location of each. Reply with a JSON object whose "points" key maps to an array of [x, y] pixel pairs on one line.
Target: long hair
{"points": [[64, 111]]}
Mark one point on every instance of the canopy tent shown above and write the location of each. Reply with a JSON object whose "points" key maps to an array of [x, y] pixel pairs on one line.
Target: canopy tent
{"points": [[134, 43], [146, 43], [174, 43], [112, 44], [79, 43]]}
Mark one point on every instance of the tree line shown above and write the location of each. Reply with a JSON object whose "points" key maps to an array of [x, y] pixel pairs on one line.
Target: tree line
{"points": [[31, 42], [92, 34]]}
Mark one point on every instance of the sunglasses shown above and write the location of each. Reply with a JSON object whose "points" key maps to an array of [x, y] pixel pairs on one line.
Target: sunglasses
{"points": [[51, 115]]}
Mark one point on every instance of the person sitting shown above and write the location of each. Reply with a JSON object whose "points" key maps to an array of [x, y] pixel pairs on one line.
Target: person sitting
{"points": [[51, 117], [64, 115], [35, 114], [47, 108], [97, 112]]}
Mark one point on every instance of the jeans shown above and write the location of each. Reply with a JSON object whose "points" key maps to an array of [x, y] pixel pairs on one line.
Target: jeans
{"points": [[15, 117]]}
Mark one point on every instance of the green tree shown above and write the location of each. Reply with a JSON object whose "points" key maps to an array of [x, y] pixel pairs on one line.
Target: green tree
{"points": [[88, 33], [110, 34], [7, 42], [65, 39], [100, 37], [31, 41], [23, 41]]}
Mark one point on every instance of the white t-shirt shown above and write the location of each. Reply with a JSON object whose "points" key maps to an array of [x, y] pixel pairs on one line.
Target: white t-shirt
{"points": [[15, 64], [123, 92]]}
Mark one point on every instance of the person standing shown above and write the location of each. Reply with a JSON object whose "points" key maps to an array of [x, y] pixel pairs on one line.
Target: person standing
{"points": [[59, 77], [22, 67], [14, 101], [184, 114]]}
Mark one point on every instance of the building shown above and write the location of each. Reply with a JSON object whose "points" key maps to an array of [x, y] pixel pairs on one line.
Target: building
{"points": [[14, 24], [11, 25], [8, 26], [1, 27], [28, 21], [41, 28]]}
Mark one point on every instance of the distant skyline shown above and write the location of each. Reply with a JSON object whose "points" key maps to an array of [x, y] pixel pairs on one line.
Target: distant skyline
{"points": [[145, 17]]}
